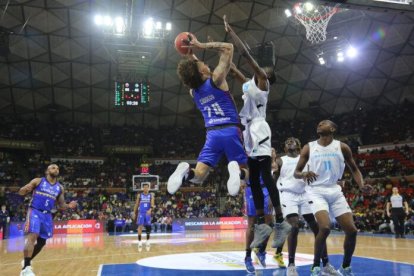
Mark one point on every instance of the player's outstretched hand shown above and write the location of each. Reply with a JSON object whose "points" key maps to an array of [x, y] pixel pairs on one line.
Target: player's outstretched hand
{"points": [[367, 189], [72, 204], [226, 24], [309, 177], [192, 43]]}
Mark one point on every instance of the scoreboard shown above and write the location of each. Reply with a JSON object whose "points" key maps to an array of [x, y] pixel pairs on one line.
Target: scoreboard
{"points": [[132, 94]]}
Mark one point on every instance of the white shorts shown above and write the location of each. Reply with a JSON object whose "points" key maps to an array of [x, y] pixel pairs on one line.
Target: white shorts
{"points": [[330, 199], [258, 138], [293, 203]]}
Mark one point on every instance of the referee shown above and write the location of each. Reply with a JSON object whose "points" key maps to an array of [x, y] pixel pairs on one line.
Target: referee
{"points": [[4, 219], [396, 202]]}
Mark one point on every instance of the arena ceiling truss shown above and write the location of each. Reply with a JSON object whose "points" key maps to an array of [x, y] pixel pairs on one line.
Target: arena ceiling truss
{"points": [[60, 65]]}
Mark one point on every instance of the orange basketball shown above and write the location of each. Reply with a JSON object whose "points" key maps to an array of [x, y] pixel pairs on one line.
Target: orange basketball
{"points": [[183, 39]]}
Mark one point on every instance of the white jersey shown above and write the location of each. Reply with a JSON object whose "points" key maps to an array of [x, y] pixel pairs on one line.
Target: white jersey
{"points": [[327, 162], [286, 181], [257, 133]]}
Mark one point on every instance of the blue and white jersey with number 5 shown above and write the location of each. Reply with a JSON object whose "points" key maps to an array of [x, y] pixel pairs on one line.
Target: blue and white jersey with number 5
{"points": [[216, 105], [327, 162], [45, 195]]}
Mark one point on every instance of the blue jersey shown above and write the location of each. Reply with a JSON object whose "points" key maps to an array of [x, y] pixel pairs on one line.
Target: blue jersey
{"points": [[216, 105], [144, 202], [45, 195]]}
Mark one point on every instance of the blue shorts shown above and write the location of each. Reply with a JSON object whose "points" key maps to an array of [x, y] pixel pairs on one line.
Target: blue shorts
{"points": [[249, 202], [39, 223], [144, 219], [226, 141]]}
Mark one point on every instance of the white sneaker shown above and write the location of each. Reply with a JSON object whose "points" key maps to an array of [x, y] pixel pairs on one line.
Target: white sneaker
{"points": [[291, 270], [28, 271], [176, 179], [22, 263], [329, 270], [233, 184], [147, 245]]}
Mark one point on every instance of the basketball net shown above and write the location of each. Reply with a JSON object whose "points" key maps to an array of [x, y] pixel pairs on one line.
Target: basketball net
{"points": [[315, 18]]}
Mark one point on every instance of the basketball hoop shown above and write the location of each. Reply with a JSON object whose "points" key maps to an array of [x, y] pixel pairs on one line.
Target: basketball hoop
{"points": [[315, 18]]}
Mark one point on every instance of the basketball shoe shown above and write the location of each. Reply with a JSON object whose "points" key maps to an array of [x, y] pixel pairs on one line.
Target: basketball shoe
{"points": [[346, 271], [278, 258], [329, 270], [282, 231], [291, 270], [27, 271], [249, 265], [261, 257], [261, 233], [233, 184], [177, 178]]}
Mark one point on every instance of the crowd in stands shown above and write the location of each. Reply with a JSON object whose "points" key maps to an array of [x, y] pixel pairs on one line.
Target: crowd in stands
{"points": [[67, 140]]}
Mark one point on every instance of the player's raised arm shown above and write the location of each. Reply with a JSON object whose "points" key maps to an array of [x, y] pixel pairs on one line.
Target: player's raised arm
{"points": [[28, 188], [61, 203], [237, 74], [260, 74], [226, 55]]}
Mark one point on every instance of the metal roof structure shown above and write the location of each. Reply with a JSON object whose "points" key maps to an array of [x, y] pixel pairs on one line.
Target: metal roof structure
{"points": [[60, 64]]}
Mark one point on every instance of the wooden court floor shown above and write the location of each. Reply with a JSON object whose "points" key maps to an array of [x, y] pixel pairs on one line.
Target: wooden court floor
{"points": [[83, 254]]}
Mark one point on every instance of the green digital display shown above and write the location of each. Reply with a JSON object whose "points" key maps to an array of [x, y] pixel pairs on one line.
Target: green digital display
{"points": [[132, 94]]}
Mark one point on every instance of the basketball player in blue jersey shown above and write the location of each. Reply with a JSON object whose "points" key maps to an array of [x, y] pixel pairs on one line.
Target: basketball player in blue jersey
{"points": [[326, 159], [250, 212], [47, 192], [142, 212], [294, 203], [212, 97], [257, 138]]}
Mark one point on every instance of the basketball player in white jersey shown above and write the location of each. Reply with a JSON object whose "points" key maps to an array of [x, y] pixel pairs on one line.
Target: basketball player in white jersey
{"points": [[294, 201], [326, 158], [257, 142]]}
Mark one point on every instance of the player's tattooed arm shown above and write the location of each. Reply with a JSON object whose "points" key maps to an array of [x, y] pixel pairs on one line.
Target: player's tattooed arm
{"points": [[259, 73], [237, 74], [307, 176], [29, 187], [62, 205]]}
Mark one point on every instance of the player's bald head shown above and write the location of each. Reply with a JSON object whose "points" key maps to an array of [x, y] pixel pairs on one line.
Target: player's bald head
{"points": [[52, 170]]}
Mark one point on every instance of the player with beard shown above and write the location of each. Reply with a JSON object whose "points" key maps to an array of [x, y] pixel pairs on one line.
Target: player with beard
{"points": [[47, 192]]}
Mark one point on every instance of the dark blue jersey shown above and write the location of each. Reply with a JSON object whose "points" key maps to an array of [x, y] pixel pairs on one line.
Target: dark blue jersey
{"points": [[144, 202], [45, 195], [216, 106]]}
